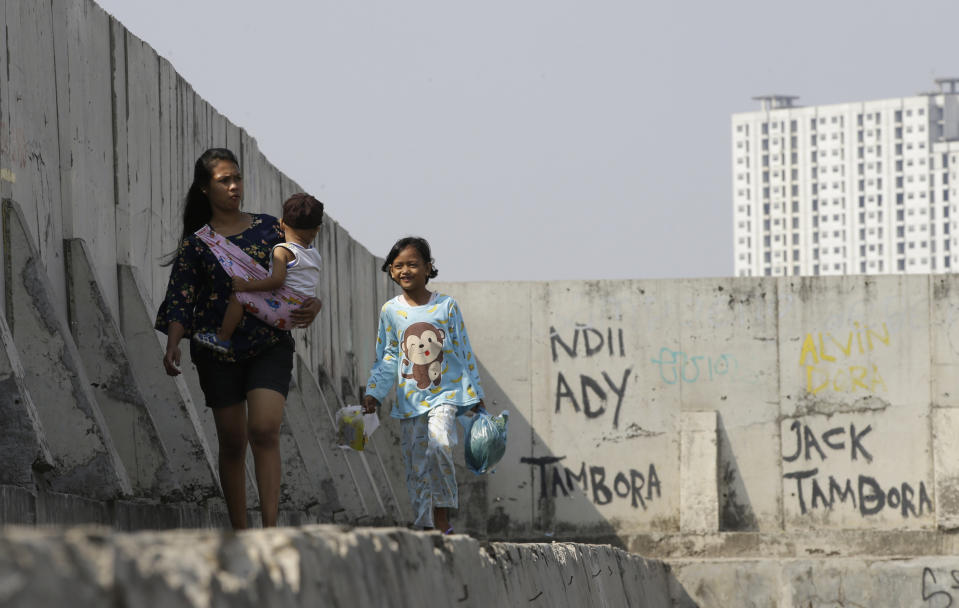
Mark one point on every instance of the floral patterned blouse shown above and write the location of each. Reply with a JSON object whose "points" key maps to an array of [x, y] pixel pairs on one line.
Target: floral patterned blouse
{"points": [[199, 290]]}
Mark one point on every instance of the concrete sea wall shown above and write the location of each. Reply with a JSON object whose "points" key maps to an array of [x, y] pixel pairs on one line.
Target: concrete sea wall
{"points": [[98, 135], [720, 405]]}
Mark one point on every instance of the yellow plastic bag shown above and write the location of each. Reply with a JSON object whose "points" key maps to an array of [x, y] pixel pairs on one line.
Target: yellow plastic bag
{"points": [[353, 427], [350, 428]]}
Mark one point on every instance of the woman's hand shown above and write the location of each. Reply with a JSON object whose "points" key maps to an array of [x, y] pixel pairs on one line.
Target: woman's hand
{"points": [[370, 404], [304, 315], [171, 360]]}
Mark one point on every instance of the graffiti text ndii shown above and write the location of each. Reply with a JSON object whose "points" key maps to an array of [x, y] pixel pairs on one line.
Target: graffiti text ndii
{"points": [[594, 342]]}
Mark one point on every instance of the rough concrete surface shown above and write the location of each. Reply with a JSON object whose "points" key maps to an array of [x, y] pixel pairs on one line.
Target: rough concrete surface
{"points": [[317, 566]]}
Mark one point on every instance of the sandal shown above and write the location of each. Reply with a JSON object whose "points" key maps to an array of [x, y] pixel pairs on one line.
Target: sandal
{"points": [[210, 341]]}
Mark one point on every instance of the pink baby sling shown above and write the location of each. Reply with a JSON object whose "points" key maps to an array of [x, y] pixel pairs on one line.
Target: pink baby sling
{"points": [[272, 307]]}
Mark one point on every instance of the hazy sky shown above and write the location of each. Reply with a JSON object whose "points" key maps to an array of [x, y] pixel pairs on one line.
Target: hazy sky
{"points": [[534, 139]]}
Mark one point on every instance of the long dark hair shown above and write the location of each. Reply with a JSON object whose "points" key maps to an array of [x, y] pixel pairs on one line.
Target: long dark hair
{"points": [[196, 208]]}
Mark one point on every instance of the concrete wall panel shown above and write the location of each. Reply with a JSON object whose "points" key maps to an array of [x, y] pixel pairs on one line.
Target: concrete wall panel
{"points": [[171, 405], [853, 451], [944, 337], [343, 268], [726, 362], [855, 364], [32, 149], [142, 169], [600, 411], [23, 445], [85, 121], [113, 383], [85, 460], [512, 491]]}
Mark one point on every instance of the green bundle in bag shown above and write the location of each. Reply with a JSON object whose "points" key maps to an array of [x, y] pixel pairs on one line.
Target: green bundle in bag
{"points": [[485, 441]]}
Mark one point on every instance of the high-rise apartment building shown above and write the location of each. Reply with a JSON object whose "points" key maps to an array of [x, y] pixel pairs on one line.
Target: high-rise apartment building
{"points": [[853, 188]]}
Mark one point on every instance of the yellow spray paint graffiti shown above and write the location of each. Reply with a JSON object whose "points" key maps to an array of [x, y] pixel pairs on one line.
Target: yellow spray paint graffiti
{"points": [[832, 363]]}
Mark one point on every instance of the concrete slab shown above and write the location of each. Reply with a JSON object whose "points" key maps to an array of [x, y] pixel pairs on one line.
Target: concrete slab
{"points": [[17, 506], [23, 445], [328, 461], [85, 124], [699, 454], [724, 361], [944, 339], [300, 489], [113, 383], [169, 401], [855, 368], [138, 235], [600, 403], [85, 460], [945, 442], [378, 495], [512, 492], [318, 565], [31, 152]]}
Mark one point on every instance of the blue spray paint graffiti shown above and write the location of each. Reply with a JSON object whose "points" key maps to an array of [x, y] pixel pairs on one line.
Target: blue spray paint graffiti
{"points": [[677, 366]]}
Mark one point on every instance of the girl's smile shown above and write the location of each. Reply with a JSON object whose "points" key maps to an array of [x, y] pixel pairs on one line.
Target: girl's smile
{"points": [[410, 271]]}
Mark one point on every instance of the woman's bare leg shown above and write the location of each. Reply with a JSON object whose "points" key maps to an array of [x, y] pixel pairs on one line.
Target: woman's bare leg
{"points": [[265, 416], [232, 439]]}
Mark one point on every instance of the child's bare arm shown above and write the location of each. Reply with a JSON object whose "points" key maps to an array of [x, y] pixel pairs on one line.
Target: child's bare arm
{"points": [[281, 256]]}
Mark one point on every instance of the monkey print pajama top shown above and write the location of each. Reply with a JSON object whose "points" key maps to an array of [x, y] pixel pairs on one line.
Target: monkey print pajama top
{"points": [[426, 352]]}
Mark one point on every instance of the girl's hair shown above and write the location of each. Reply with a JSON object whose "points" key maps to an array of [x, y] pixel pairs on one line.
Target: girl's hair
{"points": [[421, 246], [196, 208]]}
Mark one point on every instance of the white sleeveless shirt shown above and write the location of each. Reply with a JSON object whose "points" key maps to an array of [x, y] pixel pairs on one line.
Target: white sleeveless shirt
{"points": [[303, 271]]}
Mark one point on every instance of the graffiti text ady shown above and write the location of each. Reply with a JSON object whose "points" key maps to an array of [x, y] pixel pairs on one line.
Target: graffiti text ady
{"points": [[834, 440], [590, 386], [588, 342], [631, 485]]}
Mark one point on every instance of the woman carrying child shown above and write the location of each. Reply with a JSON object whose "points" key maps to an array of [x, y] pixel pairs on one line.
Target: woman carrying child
{"points": [[423, 347], [246, 386]]}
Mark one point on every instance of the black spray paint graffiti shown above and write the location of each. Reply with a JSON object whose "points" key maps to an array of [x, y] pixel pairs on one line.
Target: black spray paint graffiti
{"points": [[832, 439], [592, 394], [556, 480], [866, 494], [588, 385], [871, 497], [929, 584], [594, 342]]}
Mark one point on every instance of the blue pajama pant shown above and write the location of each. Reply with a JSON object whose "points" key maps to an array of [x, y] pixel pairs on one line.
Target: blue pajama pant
{"points": [[428, 442]]}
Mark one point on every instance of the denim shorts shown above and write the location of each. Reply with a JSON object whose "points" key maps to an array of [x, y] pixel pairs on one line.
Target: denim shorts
{"points": [[226, 383]]}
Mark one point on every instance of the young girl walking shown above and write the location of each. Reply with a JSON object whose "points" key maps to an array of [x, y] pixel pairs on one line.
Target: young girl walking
{"points": [[423, 347]]}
